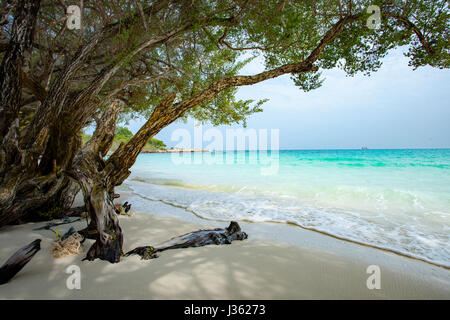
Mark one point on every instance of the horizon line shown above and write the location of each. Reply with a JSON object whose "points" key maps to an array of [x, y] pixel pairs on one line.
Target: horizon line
{"points": [[312, 149]]}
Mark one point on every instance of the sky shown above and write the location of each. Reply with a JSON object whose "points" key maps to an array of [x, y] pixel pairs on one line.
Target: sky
{"points": [[396, 107]]}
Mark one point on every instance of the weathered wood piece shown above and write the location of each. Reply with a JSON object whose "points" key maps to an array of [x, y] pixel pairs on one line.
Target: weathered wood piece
{"points": [[18, 260], [194, 239], [122, 209]]}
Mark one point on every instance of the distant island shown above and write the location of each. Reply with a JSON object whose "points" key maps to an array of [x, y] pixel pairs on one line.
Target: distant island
{"points": [[174, 150], [123, 134]]}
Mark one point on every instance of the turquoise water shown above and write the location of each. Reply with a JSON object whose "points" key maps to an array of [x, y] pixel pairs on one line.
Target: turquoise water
{"points": [[393, 199]]}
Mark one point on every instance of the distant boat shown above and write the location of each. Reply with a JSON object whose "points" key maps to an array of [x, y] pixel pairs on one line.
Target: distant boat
{"points": [[364, 148]]}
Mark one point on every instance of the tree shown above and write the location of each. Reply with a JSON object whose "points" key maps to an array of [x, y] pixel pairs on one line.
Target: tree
{"points": [[157, 143], [123, 134], [166, 60]]}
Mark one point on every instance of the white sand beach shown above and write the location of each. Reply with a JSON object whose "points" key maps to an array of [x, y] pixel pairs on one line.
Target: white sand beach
{"points": [[275, 262]]}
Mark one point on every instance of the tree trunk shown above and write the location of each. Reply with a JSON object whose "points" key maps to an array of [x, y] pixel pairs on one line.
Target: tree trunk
{"points": [[28, 195], [22, 191], [40, 199], [15, 62], [88, 171], [100, 207]]}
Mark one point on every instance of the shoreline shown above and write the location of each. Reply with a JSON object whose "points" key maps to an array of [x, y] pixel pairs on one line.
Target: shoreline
{"points": [[327, 234], [110, 152], [198, 218], [287, 228], [276, 262]]}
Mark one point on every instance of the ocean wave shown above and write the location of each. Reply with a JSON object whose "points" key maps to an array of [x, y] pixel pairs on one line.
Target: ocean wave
{"points": [[379, 218]]}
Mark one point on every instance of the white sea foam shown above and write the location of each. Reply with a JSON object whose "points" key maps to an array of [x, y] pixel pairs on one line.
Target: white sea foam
{"points": [[427, 238], [392, 199]]}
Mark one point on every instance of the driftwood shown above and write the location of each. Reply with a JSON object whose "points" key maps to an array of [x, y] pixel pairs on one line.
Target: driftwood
{"points": [[122, 209], [18, 260], [194, 239]]}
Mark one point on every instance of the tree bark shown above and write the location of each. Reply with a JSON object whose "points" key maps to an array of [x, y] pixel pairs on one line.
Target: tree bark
{"points": [[12, 67], [15, 62], [21, 190], [25, 194], [88, 171]]}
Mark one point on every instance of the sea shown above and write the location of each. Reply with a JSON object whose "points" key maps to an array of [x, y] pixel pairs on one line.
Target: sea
{"points": [[397, 200]]}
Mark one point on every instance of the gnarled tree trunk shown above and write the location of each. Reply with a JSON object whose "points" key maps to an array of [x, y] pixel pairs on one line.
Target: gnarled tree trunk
{"points": [[21, 190], [15, 61], [88, 171]]}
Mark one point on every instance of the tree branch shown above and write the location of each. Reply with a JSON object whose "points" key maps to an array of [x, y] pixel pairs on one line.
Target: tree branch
{"points": [[426, 46], [166, 112]]}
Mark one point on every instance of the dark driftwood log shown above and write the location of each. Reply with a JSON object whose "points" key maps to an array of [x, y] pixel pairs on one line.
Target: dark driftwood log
{"points": [[194, 239], [18, 260]]}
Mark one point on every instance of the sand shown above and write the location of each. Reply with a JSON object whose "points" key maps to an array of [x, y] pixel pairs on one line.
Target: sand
{"points": [[276, 262]]}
